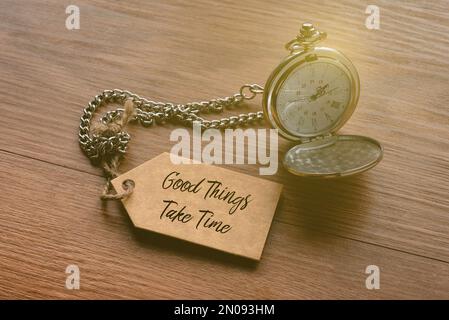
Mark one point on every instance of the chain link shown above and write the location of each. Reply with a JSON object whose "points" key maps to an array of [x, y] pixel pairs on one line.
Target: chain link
{"points": [[98, 147]]}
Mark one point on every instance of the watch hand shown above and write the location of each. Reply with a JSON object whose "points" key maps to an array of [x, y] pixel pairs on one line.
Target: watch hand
{"points": [[300, 99], [320, 91], [331, 90], [323, 92]]}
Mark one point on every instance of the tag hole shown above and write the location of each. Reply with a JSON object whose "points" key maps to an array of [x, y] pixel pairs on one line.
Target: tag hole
{"points": [[128, 183]]}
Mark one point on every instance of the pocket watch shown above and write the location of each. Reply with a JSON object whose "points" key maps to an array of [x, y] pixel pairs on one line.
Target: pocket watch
{"points": [[308, 97]]}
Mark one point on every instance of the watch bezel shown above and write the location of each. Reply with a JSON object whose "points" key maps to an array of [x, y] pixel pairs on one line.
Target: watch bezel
{"points": [[286, 67]]}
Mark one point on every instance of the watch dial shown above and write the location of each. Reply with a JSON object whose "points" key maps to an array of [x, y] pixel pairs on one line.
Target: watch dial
{"points": [[313, 98]]}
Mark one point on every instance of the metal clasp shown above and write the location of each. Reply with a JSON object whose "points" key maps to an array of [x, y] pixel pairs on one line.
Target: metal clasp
{"points": [[307, 38]]}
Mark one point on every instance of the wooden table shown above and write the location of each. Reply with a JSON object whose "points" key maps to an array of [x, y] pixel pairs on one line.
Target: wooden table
{"points": [[325, 233]]}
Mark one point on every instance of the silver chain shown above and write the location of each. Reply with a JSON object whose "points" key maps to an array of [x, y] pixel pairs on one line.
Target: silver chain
{"points": [[99, 147]]}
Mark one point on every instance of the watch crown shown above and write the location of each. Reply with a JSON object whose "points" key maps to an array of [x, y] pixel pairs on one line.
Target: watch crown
{"points": [[307, 37], [307, 27]]}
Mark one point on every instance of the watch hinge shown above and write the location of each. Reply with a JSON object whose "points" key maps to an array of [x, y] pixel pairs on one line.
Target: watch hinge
{"points": [[320, 137]]}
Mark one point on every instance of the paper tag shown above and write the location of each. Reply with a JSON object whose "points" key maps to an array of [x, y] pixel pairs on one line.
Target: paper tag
{"points": [[203, 204]]}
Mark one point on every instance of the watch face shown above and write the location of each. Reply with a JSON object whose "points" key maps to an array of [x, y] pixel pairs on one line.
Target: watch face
{"points": [[313, 98]]}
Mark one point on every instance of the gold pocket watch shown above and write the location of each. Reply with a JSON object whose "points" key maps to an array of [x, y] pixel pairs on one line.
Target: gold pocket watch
{"points": [[308, 97]]}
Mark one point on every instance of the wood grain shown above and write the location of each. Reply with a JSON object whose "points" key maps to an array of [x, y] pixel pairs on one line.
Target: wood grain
{"points": [[43, 232], [325, 232]]}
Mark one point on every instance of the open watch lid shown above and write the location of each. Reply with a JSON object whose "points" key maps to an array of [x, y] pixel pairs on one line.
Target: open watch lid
{"points": [[333, 156]]}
